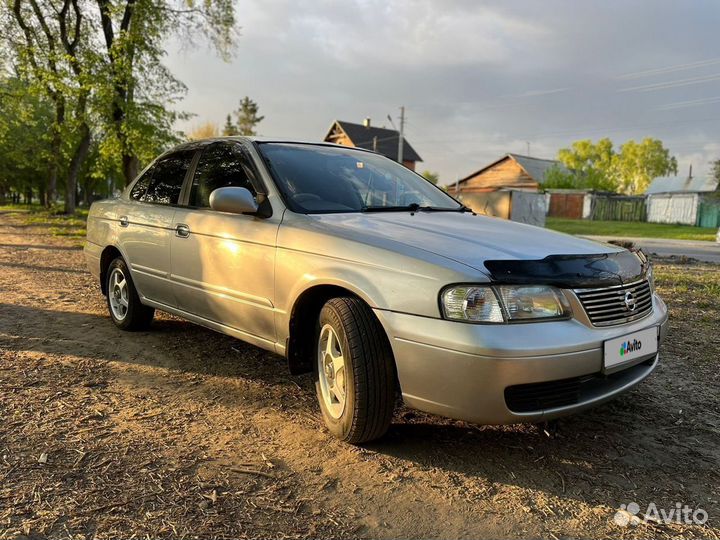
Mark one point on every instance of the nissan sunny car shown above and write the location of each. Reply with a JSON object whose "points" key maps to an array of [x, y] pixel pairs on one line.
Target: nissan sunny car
{"points": [[362, 272]]}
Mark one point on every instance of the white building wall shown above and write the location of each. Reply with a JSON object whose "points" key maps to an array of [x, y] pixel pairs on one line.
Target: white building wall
{"points": [[673, 208], [587, 205]]}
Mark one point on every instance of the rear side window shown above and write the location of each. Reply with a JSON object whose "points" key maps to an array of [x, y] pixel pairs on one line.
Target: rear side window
{"points": [[140, 187], [167, 178], [221, 165]]}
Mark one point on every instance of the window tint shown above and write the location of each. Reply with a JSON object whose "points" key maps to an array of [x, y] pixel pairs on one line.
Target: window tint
{"points": [[140, 187], [167, 178], [220, 165]]}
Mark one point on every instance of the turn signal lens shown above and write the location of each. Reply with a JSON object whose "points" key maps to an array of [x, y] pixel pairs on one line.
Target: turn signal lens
{"points": [[472, 304]]}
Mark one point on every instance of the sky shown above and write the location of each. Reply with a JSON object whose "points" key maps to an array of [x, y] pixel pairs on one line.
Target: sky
{"points": [[477, 79]]}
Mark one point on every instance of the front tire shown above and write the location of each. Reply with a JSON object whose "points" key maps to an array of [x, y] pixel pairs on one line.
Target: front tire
{"points": [[354, 371], [126, 310]]}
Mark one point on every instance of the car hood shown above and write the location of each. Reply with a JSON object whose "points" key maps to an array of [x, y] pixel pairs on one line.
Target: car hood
{"points": [[462, 237]]}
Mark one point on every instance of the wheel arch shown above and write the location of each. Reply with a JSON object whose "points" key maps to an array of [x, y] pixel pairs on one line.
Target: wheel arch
{"points": [[303, 317], [108, 255]]}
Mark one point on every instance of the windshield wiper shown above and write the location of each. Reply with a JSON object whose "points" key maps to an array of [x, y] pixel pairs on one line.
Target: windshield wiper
{"points": [[414, 207]]}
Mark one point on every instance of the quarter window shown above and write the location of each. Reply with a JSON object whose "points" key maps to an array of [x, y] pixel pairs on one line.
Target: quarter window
{"points": [[221, 165], [140, 187], [167, 178]]}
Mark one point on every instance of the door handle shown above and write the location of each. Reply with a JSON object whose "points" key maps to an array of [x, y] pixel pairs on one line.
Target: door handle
{"points": [[124, 221], [182, 230]]}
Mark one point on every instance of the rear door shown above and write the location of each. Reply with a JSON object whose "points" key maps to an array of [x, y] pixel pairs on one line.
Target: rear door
{"points": [[223, 264], [147, 227]]}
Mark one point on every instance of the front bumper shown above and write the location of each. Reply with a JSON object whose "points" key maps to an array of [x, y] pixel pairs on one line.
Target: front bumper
{"points": [[463, 371]]}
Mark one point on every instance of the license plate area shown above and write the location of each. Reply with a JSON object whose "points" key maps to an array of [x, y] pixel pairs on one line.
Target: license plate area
{"points": [[630, 348]]}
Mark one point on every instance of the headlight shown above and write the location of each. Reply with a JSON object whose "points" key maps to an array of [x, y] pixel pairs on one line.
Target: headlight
{"points": [[651, 278], [503, 303]]}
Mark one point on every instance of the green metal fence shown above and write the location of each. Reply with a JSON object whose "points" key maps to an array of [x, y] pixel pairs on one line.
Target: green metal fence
{"points": [[708, 215], [619, 208]]}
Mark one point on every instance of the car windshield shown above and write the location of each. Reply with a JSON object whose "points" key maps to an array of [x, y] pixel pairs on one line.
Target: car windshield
{"points": [[323, 179]]}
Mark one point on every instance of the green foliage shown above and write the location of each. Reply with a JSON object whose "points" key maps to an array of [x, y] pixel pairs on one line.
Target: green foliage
{"points": [[559, 178], [109, 103], [430, 176], [600, 167], [24, 138], [229, 129], [715, 169], [639, 163], [247, 117]]}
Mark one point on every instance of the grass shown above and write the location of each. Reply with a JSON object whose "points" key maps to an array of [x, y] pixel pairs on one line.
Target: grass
{"points": [[693, 289], [631, 229], [69, 226]]}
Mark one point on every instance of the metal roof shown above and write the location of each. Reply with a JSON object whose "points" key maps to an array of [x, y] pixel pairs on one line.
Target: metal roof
{"points": [[677, 184], [536, 168]]}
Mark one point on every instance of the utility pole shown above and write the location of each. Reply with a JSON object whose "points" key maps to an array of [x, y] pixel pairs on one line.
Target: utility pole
{"points": [[528, 148], [401, 137]]}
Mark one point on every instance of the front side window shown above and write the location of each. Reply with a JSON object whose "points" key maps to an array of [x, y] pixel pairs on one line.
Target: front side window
{"points": [[322, 179], [167, 178], [220, 165]]}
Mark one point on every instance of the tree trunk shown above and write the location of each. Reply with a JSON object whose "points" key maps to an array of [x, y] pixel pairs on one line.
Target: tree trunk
{"points": [[131, 164], [55, 150], [78, 158], [42, 195]]}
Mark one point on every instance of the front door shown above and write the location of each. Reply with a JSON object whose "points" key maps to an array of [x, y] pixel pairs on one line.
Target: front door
{"points": [[223, 264], [146, 225]]}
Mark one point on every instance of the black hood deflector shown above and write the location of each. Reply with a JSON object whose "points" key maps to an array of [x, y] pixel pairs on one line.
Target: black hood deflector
{"points": [[572, 271]]}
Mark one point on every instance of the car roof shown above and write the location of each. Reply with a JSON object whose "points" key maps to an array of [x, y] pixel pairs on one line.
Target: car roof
{"points": [[190, 145]]}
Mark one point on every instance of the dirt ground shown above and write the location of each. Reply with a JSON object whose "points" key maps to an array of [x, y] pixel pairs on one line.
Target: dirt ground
{"points": [[180, 431]]}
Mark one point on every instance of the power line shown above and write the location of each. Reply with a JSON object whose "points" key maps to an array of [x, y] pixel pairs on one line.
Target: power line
{"points": [[585, 131], [669, 69], [672, 84]]}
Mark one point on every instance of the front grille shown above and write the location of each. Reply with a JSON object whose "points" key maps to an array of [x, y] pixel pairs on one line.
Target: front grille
{"points": [[608, 306]]}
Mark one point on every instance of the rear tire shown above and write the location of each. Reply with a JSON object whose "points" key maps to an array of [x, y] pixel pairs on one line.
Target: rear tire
{"points": [[354, 371], [126, 310]]}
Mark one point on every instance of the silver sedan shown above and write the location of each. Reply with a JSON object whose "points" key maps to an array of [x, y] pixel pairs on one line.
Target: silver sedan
{"points": [[360, 271]]}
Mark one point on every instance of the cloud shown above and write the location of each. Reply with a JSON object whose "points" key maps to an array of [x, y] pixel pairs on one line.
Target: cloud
{"points": [[478, 79]]}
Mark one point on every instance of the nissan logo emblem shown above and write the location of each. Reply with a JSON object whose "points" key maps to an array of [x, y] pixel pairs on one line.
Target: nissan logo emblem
{"points": [[629, 301]]}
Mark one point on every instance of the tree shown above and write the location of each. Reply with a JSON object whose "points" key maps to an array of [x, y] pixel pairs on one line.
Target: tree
{"points": [[431, 177], [247, 117], [559, 178], [24, 140], [600, 167], [589, 166], [229, 129], [639, 163], [99, 64], [715, 169], [137, 86], [207, 130]]}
